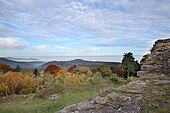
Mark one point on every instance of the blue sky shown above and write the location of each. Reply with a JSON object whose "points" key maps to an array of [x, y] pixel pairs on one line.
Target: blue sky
{"points": [[81, 27]]}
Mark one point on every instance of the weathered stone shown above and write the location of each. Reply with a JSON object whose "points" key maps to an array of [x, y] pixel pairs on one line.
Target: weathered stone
{"points": [[100, 100], [159, 59], [147, 68], [85, 106], [157, 82], [112, 96], [141, 73], [136, 97], [137, 83], [149, 63], [130, 109]]}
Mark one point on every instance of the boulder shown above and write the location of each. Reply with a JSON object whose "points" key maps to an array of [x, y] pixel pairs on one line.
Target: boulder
{"points": [[147, 68], [141, 73]]}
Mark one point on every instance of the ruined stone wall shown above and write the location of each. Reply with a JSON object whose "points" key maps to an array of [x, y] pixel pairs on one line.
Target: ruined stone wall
{"points": [[159, 59]]}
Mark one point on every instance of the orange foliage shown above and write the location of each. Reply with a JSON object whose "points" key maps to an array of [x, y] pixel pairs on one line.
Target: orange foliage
{"points": [[4, 68], [61, 72], [71, 68], [52, 69], [16, 83], [119, 71], [76, 81]]}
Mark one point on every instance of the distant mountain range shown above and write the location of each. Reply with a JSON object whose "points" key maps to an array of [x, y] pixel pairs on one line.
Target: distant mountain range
{"points": [[62, 64], [79, 62], [21, 59], [14, 64]]}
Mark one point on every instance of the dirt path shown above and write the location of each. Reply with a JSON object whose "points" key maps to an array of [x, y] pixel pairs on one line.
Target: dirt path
{"points": [[148, 94]]}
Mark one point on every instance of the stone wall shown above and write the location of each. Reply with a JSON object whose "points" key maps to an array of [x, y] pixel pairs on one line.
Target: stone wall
{"points": [[159, 58]]}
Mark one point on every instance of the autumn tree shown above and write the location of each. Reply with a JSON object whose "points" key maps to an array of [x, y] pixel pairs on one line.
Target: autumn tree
{"points": [[52, 69], [71, 68], [5, 68], [104, 70], [81, 70], [119, 71]]}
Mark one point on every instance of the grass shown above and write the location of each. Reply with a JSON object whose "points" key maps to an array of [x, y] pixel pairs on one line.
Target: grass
{"points": [[156, 97], [32, 104]]}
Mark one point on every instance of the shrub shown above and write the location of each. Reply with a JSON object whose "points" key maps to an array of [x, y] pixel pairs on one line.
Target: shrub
{"points": [[81, 70], [104, 70], [16, 83], [71, 68], [52, 69], [119, 71], [76, 81], [114, 78], [5, 68]]}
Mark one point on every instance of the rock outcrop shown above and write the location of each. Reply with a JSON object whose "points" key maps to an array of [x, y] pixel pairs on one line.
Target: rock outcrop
{"points": [[159, 58], [147, 94]]}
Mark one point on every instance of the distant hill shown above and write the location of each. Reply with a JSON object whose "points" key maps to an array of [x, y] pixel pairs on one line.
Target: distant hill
{"points": [[79, 62], [13, 64], [62, 64], [21, 59]]}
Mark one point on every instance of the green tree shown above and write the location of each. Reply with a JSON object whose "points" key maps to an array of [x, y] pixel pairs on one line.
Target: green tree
{"points": [[104, 70], [137, 67], [113, 69], [17, 69], [36, 73], [129, 64]]}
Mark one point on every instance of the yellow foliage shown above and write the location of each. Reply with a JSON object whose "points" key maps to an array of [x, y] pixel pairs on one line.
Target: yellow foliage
{"points": [[76, 81], [97, 74], [68, 78], [61, 72], [15, 82]]}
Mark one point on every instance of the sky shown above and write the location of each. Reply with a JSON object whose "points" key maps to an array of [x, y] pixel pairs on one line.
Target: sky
{"points": [[34, 28]]}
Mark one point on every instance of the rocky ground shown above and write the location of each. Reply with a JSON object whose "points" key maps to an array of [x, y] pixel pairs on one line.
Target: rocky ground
{"points": [[147, 94]]}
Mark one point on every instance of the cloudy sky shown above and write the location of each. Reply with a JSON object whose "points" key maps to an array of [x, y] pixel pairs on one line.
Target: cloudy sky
{"points": [[81, 27]]}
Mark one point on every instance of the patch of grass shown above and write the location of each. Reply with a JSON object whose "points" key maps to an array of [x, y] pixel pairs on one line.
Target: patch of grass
{"points": [[34, 104]]}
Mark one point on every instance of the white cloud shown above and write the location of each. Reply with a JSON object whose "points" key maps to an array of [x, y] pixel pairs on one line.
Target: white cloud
{"points": [[40, 47], [12, 43], [61, 47], [90, 49], [5, 32], [103, 20]]}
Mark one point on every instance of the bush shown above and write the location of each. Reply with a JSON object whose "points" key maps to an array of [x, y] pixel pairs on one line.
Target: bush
{"points": [[5, 68], [71, 68], [81, 70], [104, 70], [52, 69], [114, 78], [119, 71], [16, 83]]}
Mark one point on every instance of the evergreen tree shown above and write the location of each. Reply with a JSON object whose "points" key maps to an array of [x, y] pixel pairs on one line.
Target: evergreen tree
{"points": [[36, 73], [17, 69], [137, 67], [129, 64]]}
